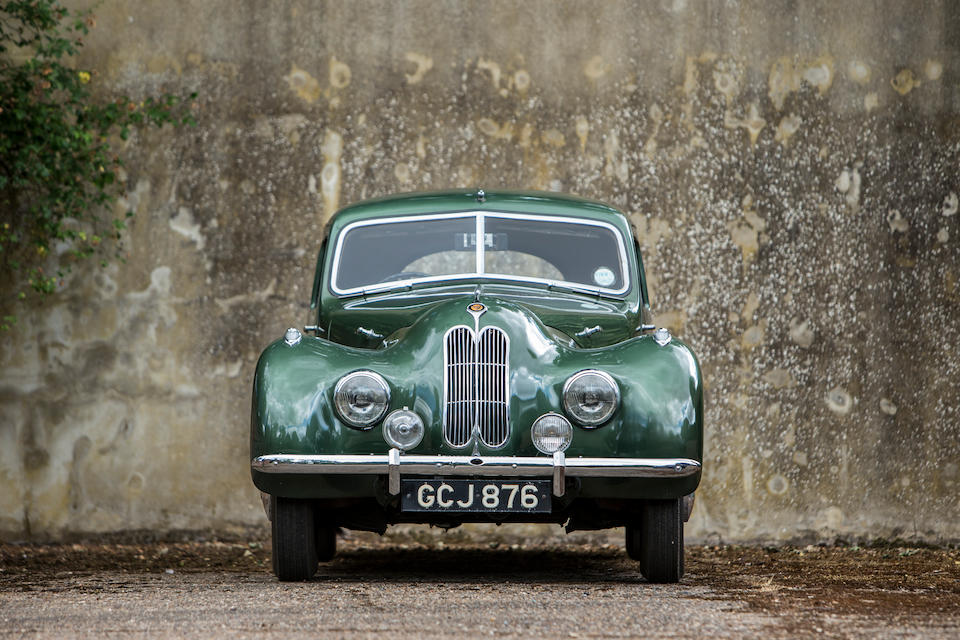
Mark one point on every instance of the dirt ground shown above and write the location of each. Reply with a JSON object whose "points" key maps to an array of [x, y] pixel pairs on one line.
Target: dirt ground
{"points": [[420, 585]]}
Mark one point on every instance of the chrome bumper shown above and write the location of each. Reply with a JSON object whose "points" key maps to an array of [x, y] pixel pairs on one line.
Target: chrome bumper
{"points": [[558, 467]]}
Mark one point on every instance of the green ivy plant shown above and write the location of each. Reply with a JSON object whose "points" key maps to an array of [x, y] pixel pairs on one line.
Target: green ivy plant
{"points": [[58, 170]]}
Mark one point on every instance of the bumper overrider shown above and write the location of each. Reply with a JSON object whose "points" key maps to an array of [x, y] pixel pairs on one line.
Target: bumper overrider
{"points": [[394, 464]]}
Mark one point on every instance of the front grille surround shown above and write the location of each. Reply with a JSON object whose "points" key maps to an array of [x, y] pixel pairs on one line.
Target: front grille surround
{"points": [[476, 370]]}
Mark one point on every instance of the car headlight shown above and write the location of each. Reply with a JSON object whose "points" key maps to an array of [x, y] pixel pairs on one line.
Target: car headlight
{"points": [[361, 398], [403, 429], [590, 397], [550, 433]]}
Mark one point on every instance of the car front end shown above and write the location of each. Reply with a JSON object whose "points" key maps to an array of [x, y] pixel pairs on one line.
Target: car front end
{"points": [[471, 383]]}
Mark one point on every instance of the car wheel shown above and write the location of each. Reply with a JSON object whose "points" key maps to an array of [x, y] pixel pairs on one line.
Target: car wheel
{"points": [[294, 539], [660, 544]]}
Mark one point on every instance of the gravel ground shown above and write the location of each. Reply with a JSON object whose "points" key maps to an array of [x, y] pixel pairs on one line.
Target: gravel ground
{"points": [[424, 585]]}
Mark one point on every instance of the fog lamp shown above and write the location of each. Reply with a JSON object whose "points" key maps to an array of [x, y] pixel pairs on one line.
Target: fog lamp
{"points": [[550, 433], [403, 429]]}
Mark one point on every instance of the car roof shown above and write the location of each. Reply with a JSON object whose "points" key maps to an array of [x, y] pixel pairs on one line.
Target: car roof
{"points": [[528, 202]]}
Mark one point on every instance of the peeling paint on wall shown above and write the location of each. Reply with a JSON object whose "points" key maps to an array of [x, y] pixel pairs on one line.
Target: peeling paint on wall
{"points": [[950, 204], [424, 64], [332, 148], [787, 74], [788, 126], [752, 123], [184, 224], [859, 72], [904, 82], [303, 84], [340, 75], [596, 68]]}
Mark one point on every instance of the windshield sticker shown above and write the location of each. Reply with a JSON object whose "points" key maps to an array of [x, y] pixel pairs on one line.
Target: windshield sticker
{"points": [[604, 277]]}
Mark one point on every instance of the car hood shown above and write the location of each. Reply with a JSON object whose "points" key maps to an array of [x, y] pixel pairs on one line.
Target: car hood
{"points": [[576, 320]]}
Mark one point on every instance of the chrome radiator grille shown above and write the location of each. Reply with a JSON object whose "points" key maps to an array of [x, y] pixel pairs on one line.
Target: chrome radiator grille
{"points": [[476, 370]]}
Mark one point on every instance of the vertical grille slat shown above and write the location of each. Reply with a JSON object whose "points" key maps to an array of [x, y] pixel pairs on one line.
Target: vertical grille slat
{"points": [[476, 371]]}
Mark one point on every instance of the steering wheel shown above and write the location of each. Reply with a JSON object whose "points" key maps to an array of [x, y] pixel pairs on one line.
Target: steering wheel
{"points": [[405, 275]]}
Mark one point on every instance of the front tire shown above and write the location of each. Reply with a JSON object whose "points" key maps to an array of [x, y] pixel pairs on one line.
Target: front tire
{"points": [[294, 539], [657, 543]]}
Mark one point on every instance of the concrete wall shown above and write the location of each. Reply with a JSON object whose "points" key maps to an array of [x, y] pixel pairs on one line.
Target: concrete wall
{"points": [[792, 168]]}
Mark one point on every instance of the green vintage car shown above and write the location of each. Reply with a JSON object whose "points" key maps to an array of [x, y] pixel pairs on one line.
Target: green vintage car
{"points": [[478, 357]]}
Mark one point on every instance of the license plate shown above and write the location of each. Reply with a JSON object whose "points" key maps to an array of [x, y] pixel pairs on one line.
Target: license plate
{"points": [[475, 496]]}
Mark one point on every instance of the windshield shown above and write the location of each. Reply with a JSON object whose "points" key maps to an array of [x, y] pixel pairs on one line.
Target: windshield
{"points": [[390, 252]]}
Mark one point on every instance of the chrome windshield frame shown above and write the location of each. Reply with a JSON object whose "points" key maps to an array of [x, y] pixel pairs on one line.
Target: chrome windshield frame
{"points": [[480, 272]]}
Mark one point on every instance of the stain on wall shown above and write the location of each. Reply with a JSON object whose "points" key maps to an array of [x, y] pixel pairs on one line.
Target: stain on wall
{"points": [[792, 170]]}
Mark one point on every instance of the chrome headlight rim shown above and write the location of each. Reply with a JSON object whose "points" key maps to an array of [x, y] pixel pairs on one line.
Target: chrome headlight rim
{"points": [[372, 422], [389, 436], [551, 414], [592, 423]]}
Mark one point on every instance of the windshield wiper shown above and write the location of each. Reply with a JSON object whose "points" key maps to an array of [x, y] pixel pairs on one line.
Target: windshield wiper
{"points": [[584, 291]]}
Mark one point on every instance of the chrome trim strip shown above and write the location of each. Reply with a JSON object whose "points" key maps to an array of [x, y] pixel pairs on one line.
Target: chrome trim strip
{"points": [[380, 464], [588, 331], [369, 333], [479, 266]]}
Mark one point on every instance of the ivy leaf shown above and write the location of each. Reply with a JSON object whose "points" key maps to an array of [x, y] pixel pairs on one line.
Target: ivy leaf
{"points": [[58, 171]]}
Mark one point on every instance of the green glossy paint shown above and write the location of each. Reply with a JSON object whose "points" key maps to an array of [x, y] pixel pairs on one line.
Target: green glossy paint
{"points": [[661, 408]]}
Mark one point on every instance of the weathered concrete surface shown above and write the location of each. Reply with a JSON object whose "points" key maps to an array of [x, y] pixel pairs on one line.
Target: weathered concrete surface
{"points": [[792, 168]]}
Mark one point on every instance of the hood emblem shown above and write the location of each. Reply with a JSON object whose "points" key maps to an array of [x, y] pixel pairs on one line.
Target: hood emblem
{"points": [[476, 309]]}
